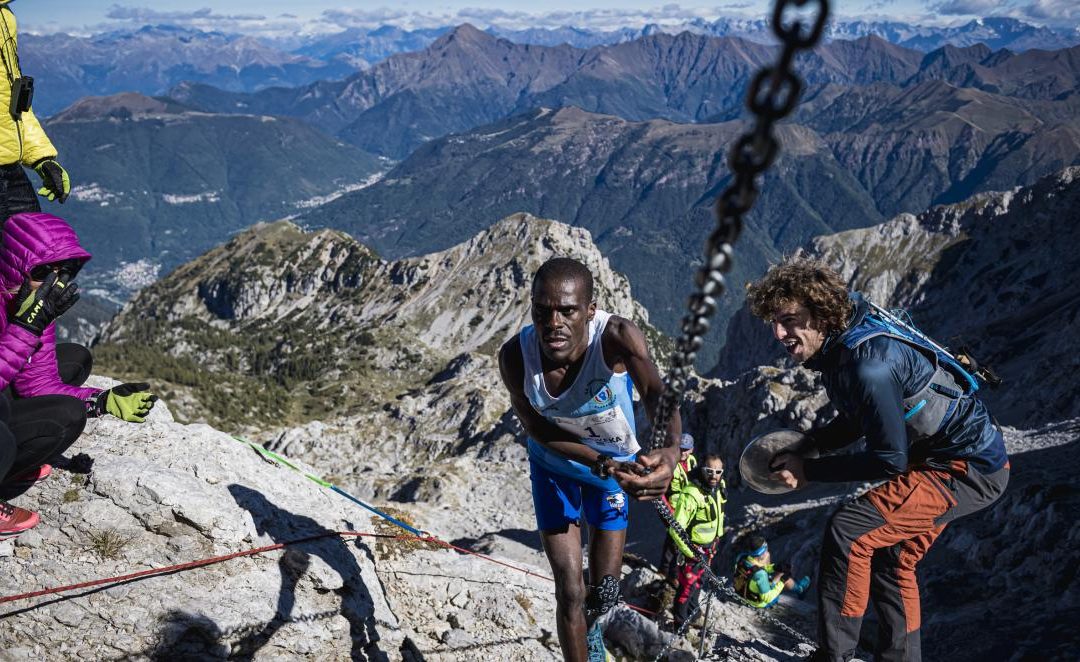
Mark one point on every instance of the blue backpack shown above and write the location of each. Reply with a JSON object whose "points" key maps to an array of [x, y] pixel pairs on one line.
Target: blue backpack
{"points": [[927, 411]]}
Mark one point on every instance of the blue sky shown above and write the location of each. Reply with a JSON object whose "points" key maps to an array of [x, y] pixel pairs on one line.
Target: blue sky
{"points": [[284, 17]]}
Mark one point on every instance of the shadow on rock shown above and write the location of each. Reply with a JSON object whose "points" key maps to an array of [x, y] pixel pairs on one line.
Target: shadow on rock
{"points": [[528, 537], [283, 526], [185, 636]]}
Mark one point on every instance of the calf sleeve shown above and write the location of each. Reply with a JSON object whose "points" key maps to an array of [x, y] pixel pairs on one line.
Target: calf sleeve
{"points": [[602, 598]]}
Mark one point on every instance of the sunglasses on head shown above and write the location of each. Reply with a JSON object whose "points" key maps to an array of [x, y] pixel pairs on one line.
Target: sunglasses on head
{"points": [[712, 472], [42, 271]]}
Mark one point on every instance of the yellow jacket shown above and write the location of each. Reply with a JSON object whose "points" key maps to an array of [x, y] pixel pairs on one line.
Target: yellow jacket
{"points": [[679, 476], [23, 140], [700, 513]]}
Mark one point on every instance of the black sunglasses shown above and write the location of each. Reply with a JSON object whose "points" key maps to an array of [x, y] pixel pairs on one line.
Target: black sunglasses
{"points": [[42, 271]]}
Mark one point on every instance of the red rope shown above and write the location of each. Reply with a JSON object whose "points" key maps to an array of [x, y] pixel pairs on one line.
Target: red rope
{"points": [[464, 550], [183, 566], [269, 548]]}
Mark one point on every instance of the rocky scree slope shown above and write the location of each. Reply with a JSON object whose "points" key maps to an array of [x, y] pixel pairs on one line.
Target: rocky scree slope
{"points": [[139, 497]]}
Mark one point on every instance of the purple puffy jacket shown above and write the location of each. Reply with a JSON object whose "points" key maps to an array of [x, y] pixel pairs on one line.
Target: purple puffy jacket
{"points": [[28, 363]]}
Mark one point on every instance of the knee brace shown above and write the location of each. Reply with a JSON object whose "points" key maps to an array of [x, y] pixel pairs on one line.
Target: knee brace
{"points": [[602, 598]]}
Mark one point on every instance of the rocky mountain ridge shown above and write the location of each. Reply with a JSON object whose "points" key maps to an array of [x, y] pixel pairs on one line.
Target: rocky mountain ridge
{"points": [[314, 321], [153, 59], [406, 99], [632, 183]]}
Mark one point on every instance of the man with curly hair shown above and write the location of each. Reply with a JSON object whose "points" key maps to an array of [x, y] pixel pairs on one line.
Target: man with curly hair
{"points": [[930, 440]]}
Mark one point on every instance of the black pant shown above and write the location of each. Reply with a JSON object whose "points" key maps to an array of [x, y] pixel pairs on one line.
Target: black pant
{"points": [[34, 429], [16, 192]]}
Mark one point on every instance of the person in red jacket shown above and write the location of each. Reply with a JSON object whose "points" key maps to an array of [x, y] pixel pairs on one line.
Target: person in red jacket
{"points": [[43, 408]]}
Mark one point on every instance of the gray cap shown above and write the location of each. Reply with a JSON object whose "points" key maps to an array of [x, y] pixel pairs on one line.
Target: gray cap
{"points": [[687, 442]]}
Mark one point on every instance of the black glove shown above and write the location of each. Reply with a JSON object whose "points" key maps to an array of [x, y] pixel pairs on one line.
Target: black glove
{"points": [[36, 309], [55, 183]]}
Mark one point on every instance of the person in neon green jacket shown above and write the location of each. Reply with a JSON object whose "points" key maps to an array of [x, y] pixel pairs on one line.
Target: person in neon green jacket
{"points": [[22, 140], [679, 477], [699, 509], [687, 463], [757, 579]]}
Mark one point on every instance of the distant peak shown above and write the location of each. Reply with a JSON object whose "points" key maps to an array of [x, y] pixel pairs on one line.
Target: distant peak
{"points": [[127, 105], [469, 32]]}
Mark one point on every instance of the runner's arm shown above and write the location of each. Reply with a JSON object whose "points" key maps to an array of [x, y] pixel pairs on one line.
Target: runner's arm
{"points": [[879, 409], [625, 343]]}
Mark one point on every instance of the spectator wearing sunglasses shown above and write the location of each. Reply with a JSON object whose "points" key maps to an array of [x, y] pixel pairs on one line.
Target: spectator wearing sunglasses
{"points": [[699, 509], [43, 407]]}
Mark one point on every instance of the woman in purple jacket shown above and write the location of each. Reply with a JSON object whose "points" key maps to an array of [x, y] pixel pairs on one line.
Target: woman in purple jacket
{"points": [[43, 408]]}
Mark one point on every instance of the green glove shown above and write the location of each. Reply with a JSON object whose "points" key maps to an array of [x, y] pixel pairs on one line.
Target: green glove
{"points": [[54, 179], [36, 309], [130, 402]]}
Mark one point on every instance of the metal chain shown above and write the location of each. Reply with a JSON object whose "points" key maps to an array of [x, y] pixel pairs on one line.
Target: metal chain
{"points": [[771, 97], [773, 94], [680, 632]]}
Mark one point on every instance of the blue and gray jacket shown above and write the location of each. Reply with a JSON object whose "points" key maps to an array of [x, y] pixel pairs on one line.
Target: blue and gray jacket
{"points": [[894, 394]]}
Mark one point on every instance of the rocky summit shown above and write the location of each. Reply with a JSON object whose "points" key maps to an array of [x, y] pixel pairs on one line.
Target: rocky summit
{"points": [[379, 377]]}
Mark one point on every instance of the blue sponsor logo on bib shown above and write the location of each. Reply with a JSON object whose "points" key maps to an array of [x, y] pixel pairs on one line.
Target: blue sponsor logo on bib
{"points": [[604, 396]]}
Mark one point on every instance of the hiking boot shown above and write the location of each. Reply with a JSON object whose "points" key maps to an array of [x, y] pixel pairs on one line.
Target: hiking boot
{"points": [[15, 520], [30, 476]]}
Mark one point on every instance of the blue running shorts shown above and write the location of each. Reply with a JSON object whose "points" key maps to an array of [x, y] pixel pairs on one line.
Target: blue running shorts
{"points": [[564, 490]]}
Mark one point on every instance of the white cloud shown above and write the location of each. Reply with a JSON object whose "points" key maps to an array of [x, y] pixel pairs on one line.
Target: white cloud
{"points": [[291, 25], [147, 15], [595, 19], [1059, 12], [966, 7]]}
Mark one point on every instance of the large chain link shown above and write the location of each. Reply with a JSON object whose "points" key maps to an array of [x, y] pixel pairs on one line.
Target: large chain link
{"points": [[773, 94]]}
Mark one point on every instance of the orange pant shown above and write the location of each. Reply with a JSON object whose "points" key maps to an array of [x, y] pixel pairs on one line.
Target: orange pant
{"points": [[872, 546]]}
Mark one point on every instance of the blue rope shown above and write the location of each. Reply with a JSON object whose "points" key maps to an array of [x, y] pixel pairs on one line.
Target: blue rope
{"points": [[275, 457], [410, 529]]}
